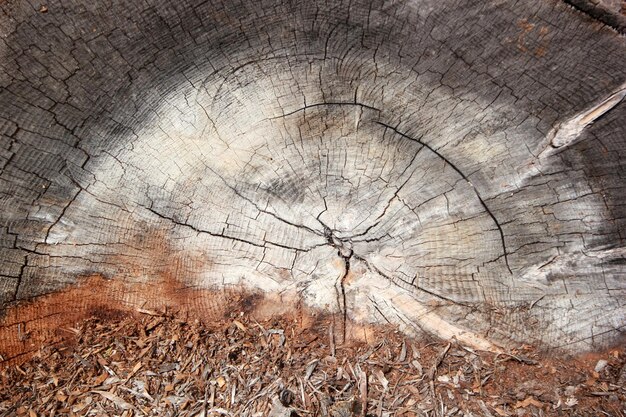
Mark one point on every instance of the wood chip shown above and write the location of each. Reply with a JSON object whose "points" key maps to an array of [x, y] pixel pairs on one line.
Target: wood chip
{"points": [[191, 369], [119, 402], [528, 401]]}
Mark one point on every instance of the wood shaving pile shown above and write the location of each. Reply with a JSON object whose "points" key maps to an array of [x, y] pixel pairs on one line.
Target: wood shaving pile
{"points": [[155, 364]]}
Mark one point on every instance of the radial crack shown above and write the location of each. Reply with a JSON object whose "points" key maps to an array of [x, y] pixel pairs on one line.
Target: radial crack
{"points": [[373, 268], [344, 251], [269, 213], [221, 235], [346, 260], [454, 167]]}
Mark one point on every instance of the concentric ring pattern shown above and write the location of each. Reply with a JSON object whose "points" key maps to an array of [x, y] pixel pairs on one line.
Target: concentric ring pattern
{"points": [[451, 167]]}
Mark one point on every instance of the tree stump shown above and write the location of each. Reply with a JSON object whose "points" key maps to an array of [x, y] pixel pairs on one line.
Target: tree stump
{"points": [[456, 168]]}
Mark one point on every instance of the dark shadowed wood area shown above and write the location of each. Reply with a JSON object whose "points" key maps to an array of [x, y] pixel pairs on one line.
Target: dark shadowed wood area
{"points": [[453, 168]]}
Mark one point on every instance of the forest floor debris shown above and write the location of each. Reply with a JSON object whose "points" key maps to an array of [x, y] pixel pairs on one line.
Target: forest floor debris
{"points": [[148, 363]]}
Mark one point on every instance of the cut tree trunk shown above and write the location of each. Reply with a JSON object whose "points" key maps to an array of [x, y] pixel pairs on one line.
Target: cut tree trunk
{"points": [[450, 167]]}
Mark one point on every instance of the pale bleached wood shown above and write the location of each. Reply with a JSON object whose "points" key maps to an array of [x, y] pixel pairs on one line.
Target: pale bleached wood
{"points": [[451, 167]]}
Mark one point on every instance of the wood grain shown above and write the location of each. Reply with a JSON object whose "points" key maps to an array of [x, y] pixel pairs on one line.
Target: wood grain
{"points": [[451, 167]]}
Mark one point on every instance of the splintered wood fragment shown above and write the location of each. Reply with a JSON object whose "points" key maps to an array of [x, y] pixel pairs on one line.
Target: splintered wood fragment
{"points": [[363, 391], [518, 358], [119, 402], [233, 393], [484, 409], [568, 133], [310, 369], [438, 360], [255, 381], [381, 378], [302, 394], [371, 351], [280, 333], [331, 340], [430, 321], [279, 410], [137, 394], [527, 402], [147, 312], [219, 410], [385, 383], [239, 325], [402, 355], [136, 368]]}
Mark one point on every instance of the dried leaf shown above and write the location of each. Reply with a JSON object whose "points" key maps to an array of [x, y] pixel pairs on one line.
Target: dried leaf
{"points": [[187, 366], [528, 401], [82, 405], [60, 396], [310, 369], [99, 380], [119, 402], [500, 411], [135, 369], [381, 378]]}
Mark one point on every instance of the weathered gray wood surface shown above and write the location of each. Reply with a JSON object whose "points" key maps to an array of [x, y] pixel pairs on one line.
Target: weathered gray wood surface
{"points": [[610, 12], [454, 167]]}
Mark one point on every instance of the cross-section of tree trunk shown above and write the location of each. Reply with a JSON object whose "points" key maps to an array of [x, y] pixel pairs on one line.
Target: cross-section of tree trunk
{"points": [[451, 167]]}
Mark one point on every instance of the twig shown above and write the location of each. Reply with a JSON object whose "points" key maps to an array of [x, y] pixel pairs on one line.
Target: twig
{"points": [[521, 359], [440, 357]]}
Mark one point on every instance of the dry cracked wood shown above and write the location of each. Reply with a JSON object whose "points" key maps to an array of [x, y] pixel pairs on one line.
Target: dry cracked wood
{"points": [[451, 167]]}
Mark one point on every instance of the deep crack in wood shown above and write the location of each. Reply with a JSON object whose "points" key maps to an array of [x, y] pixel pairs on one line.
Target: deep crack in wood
{"points": [[455, 168]]}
